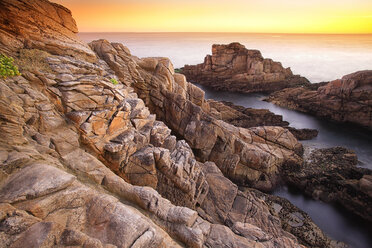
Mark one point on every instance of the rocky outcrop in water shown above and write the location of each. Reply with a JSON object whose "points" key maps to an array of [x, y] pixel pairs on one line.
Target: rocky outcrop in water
{"points": [[345, 100], [331, 175], [244, 117], [248, 117], [232, 67], [84, 162]]}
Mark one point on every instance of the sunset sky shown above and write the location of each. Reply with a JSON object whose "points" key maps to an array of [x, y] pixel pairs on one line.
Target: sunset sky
{"points": [[263, 16]]}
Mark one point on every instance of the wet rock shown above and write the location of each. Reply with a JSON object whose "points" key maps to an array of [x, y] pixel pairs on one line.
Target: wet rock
{"points": [[297, 222], [331, 175], [249, 117], [303, 133]]}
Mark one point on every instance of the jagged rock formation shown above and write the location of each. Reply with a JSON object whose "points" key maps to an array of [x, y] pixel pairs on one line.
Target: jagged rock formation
{"points": [[249, 117], [345, 100], [232, 67], [169, 95], [64, 128], [247, 156], [331, 175]]}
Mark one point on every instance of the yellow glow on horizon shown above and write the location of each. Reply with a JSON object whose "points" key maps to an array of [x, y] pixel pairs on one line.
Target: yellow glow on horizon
{"points": [[265, 16]]}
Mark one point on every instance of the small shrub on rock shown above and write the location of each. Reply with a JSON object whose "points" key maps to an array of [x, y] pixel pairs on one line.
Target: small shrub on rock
{"points": [[114, 81], [7, 68]]}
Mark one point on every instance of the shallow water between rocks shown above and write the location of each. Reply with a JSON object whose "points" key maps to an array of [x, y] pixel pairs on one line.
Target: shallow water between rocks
{"points": [[335, 221]]}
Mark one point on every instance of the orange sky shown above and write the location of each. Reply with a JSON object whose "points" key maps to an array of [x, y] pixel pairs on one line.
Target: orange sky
{"points": [[264, 16]]}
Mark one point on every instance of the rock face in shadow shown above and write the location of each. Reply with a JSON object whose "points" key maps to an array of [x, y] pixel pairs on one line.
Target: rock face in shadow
{"points": [[251, 157], [232, 67], [331, 175], [345, 100], [248, 117]]}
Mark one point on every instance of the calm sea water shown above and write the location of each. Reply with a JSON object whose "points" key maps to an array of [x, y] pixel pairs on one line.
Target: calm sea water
{"points": [[317, 57]]}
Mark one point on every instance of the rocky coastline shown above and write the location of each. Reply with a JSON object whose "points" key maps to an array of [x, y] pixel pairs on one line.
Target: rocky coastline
{"points": [[100, 148], [234, 68], [343, 100]]}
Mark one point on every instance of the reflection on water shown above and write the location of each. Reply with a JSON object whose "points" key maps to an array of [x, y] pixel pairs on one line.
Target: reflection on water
{"points": [[336, 222], [316, 57]]}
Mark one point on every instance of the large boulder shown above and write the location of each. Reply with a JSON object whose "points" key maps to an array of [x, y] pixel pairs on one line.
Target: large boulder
{"points": [[232, 67]]}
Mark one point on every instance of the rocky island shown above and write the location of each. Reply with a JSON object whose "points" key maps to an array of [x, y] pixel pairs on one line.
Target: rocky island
{"points": [[100, 148], [232, 67]]}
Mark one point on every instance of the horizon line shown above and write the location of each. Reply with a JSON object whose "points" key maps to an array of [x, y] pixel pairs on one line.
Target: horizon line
{"points": [[212, 32]]}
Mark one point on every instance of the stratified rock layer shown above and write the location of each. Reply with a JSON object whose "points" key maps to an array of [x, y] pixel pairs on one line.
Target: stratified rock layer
{"points": [[232, 67], [348, 99], [42, 25]]}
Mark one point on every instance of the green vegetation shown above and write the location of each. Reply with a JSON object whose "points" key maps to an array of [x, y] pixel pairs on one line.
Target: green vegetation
{"points": [[178, 70], [33, 59], [114, 81], [7, 69]]}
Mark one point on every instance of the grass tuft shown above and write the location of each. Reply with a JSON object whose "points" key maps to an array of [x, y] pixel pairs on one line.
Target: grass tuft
{"points": [[114, 81], [31, 59]]}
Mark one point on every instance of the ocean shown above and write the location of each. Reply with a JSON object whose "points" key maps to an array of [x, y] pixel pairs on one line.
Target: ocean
{"points": [[319, 57]]}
